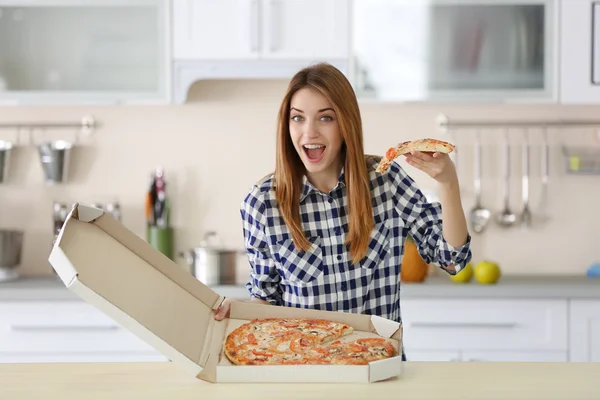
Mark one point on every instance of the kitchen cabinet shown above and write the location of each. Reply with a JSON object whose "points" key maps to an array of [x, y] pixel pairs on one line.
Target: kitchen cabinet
{"points": [[207, 29], [455, 50], [254, 39], [580, 56], [438, 355], [260, 29], [84, 51], [485, 329], [66, 331], [488, 356], [584, 330]]}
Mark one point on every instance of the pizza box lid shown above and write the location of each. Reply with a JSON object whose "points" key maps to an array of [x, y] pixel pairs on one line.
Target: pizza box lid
{"points": [[122, 275]]}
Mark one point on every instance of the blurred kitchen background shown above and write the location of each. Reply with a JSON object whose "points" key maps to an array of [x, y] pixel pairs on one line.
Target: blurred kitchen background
{"points": [[96, 95], [194, 87]]}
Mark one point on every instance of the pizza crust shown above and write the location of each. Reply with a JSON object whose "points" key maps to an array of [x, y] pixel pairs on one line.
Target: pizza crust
{"points": [[425, 145], [231, 350]]}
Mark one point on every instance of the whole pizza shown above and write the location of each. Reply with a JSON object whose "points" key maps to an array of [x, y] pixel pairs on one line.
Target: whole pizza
{"points": [[281, 341], [426, 145]]}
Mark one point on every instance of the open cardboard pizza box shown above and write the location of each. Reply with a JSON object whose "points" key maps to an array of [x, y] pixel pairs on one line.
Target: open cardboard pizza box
{"points": [[119, 273]]}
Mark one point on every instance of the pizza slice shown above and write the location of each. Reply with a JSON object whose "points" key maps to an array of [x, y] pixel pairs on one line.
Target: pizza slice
{"points": [[426, 145]]}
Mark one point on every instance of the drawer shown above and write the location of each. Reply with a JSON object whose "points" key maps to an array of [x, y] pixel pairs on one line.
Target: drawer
{"points": [[436, 355], [63, 327], [477, 324], [81, 357], [521, 356], [55, 313]]}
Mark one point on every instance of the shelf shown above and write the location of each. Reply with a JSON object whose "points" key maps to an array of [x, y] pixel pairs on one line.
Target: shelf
{"points": [[581, 160]]}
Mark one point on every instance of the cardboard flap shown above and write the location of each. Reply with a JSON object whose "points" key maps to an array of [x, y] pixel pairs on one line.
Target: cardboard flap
{"points": [[87, 213], [384, 327], [126, 278]]}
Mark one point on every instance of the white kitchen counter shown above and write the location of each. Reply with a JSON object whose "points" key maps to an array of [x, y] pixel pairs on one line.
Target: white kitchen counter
{"points": [[560, 287]]}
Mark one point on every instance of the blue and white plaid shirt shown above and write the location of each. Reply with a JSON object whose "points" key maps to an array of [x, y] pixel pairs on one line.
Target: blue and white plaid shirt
{"points": [[323, 277]]}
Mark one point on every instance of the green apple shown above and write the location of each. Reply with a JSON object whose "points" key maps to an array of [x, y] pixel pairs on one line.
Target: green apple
{"points": [[464, 275], [487, 272]]}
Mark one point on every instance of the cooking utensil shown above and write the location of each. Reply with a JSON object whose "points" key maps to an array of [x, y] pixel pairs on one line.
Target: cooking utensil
{"points": [[506, 218], [54, 157], [526, 213], [541, 215], [211, 264], [157, 204], [11, 244], [479, 216]]}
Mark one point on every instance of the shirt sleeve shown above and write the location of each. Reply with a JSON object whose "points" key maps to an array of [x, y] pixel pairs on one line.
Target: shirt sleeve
{"points": [[424, 223], [264, 278]]}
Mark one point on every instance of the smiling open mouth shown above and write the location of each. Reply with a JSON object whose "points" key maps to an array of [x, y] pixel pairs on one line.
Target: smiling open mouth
{"points": [[314, 152]]}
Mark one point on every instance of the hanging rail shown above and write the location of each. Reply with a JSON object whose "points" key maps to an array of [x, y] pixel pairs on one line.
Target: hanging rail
{"points": [[444, 123], [87, 125]]}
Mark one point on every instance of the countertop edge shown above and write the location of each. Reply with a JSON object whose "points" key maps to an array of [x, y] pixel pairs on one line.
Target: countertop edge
{"points": [[52, 289]]}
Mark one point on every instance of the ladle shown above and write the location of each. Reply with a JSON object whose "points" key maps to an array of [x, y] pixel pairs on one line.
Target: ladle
{"points": [[479, 216], [506, 218], [526, 213]]}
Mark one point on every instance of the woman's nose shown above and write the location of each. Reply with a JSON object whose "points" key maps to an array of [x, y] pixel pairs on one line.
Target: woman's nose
{"points": [[311, 130]]}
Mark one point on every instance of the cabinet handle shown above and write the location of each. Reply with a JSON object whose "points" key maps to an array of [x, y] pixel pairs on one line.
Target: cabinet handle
{"points": [[274, 26], [462, 325], [254, 26], [58, 328]]}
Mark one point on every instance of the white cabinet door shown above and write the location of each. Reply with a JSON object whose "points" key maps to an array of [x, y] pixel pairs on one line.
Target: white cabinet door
{"points": [[484, 324], [515, 356], [584, 330], [216, 30], [580, 52], [305, 29], [66, 331], [84, 52], [439, 355], [50, 357], [455, 50]]}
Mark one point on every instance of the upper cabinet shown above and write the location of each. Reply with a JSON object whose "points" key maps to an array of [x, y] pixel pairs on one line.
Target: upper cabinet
{"points": [[259, 29], [580, 58], [246, 39], [215, 30], [455, 50], [148, 51], [78, 52]]}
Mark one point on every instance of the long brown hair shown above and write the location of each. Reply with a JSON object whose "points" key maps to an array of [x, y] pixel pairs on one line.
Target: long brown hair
{"points": [[289, 169]]}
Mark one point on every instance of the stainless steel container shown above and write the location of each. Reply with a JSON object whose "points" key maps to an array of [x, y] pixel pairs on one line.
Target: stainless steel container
{"points": [[5, 149], [211, 264], [11, 245], [54, 157]]}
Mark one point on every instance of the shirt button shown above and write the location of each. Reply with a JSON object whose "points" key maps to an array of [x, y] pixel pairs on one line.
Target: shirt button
{"points": [[330, 200], [343, 286], [337, 231], [339, 258]]}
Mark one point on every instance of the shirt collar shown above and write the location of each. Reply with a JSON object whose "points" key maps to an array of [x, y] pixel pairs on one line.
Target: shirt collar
{"points": [[308, 188]]}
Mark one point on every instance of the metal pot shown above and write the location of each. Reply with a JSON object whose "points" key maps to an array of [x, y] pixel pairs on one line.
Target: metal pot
{"points": [[11, 243], [212, 265]]}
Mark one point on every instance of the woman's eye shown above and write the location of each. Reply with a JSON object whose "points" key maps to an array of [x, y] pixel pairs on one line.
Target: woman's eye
{"points": [[326, 118], [297, 118]]}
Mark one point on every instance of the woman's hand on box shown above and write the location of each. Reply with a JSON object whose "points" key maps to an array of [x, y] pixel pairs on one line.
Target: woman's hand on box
{"points": [[223, 310]]}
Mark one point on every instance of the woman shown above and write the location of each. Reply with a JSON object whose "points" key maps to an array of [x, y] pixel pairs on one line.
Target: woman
{"points": [[326, 231]]}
